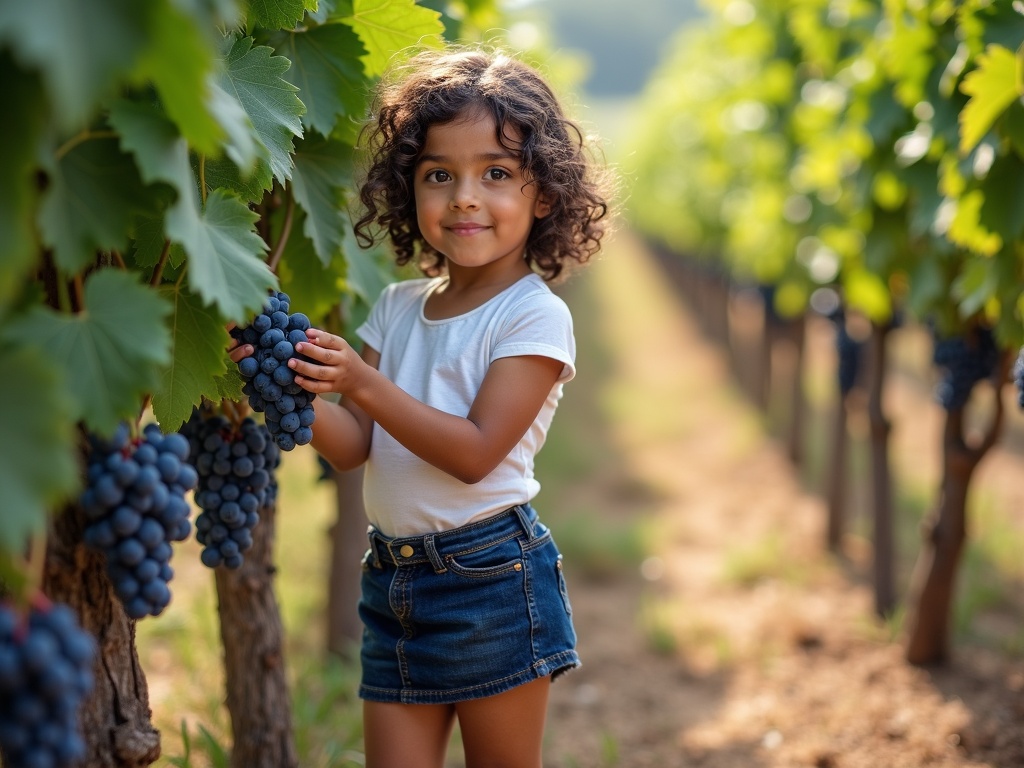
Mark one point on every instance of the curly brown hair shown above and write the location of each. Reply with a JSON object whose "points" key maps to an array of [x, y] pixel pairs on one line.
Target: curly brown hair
{"points": [[438, 86]]}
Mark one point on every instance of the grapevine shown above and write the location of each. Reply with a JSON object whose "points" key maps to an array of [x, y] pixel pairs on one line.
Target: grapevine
{"points": [[135, 506], [46, 663], [236, 480], [269, 383]]}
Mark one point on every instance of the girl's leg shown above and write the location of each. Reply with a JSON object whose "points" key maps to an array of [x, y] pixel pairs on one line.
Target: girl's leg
{"points": [[505, 731], [406, 735]]}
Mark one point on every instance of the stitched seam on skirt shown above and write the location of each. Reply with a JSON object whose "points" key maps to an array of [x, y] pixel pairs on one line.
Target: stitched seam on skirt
{"points": [[556, 662]]}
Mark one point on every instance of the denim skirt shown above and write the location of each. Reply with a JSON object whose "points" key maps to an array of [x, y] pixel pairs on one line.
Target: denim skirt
{"points": [[464, 613]]}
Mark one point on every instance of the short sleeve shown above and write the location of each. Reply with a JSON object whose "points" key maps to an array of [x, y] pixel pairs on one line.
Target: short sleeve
{"points": [[539, 324]]}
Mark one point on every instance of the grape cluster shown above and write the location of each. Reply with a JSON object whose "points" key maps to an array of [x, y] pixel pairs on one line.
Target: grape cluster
{"points": [[848, 353], [269, 383], [46, 663], [1018, 377], [236, 480], [964, 360], [135, 507]]}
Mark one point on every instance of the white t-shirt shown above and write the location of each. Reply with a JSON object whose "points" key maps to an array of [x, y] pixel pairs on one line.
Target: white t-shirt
{"points": [[442, 363]]}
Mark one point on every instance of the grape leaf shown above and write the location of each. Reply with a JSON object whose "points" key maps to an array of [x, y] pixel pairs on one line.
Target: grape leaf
{"points": [[161, 154], [38, 459], [241, 143], [95, 192], [992, 87], [329, 75], [222, 172], [275, 14], [1002, 210], [80, 47], [224, 252], [977, 282], [199, 341], [253, 76], [365, 270], [321, 173], [311, 283], [113, 350], [19, 132], [386, 26], [179, 63]]}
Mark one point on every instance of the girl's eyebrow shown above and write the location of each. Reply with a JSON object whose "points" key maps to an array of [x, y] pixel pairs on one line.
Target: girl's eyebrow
{"points": [[486, 157]]}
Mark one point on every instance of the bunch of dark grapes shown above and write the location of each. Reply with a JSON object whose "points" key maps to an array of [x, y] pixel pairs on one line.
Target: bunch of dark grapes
{"points": [[135, 507], [46, 663], [269, 383], [1018, 377], [236, 480], [964, 360], [848, 353]]}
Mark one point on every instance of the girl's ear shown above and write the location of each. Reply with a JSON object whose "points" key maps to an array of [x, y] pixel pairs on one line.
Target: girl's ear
{"points": [[543, 207]]}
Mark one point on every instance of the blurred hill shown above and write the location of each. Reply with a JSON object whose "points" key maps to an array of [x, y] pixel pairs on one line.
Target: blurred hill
{"points": [[624, 41]]}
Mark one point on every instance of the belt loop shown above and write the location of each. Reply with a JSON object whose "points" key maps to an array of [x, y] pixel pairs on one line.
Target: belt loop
{"points": [[371, 535], [432, 554], [525, 521]]}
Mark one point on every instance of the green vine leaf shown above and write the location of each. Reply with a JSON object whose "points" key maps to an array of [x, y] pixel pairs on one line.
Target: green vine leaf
{"points": [[253, 75], [180, 63], [322, 172], [112, 351], [327, 70], [95, 192], [992, 86], [386, 26], [19, 133], [80, 47], [225, 257], [275, 14], [37, 473], [198, 344]]}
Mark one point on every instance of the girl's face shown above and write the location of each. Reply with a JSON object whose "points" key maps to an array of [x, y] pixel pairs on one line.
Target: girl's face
{"points": [[472, 202]]}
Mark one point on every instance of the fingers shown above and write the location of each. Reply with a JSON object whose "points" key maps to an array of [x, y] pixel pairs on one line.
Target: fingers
{"points": [[237, 351]]}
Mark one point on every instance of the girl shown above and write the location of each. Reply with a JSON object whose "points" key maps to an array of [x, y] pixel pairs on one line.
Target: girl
{"points": [[475, 171]]}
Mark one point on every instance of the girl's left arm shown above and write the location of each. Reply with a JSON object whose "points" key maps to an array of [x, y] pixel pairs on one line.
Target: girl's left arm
{"points": [[467, 448]]}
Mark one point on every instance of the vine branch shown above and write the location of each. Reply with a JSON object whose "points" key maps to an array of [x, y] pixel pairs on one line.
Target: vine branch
{"points": [[286, 230], [158, 270], [81, 138]]}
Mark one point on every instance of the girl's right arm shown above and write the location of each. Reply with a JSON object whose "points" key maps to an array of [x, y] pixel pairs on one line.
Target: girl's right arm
{"points": [[343, 430]]}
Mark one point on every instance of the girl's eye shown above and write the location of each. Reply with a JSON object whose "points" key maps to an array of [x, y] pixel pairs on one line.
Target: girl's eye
{"points": [[497, 174], [438, 176]]}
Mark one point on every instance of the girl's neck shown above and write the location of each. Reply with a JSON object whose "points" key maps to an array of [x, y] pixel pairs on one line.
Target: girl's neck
{"points": [[467, 289]]}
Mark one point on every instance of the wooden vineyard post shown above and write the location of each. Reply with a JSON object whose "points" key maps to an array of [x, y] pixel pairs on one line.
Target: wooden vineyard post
{"points": [[116, 718], [883, 542], [945, 533], [254, 660], [348, 543]]}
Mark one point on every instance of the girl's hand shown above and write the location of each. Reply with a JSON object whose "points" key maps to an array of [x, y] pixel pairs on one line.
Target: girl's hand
{"points": [[335, 366], [235, 350]]}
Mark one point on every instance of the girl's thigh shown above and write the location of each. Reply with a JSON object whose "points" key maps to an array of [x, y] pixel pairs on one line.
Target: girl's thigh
{"points": [[406, 735], [506, 729]]}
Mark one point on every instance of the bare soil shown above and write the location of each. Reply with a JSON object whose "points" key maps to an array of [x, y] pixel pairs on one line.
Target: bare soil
{"points": [[734, 638]]}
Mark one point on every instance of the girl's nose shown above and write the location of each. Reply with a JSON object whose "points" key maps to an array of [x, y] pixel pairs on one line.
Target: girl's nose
{"points": [[464, 197]]}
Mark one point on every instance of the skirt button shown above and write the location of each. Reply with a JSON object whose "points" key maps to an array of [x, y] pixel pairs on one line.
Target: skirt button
{"points": [[405, 551]]}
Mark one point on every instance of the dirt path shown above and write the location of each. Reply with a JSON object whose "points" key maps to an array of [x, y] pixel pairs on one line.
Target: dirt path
{"points": [[736, 642]]}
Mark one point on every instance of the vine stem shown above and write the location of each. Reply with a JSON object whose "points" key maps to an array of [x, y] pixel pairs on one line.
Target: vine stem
{"points": [[158, 270], [79, 292], [36, 563], [202, 178], [286, 230], [80, 138]]}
